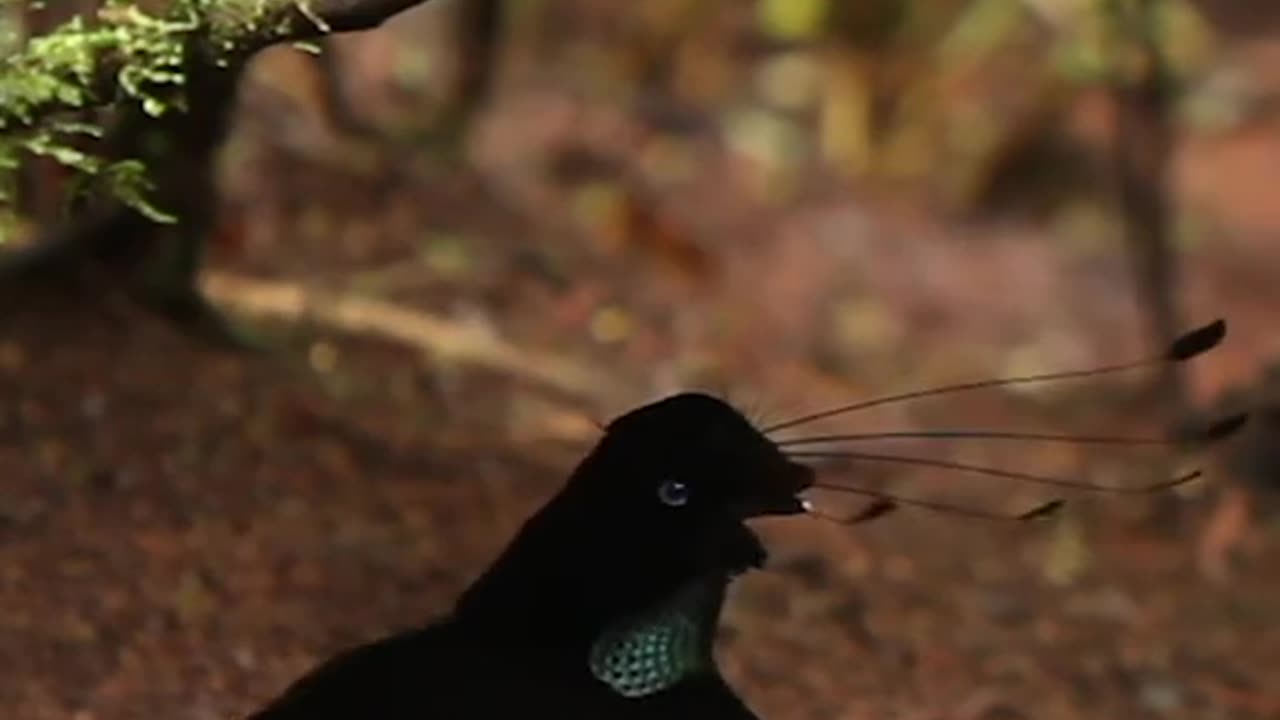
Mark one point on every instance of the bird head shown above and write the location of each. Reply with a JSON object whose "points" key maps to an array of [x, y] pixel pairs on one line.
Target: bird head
{"points": [[660, 505], [679, 478], [661, 502]]}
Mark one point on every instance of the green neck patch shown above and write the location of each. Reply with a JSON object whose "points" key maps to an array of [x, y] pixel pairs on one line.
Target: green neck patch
{"points": [[655, 650]]}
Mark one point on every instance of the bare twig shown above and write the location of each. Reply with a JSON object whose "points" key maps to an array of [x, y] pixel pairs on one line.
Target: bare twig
{"points": [[432, 335]]}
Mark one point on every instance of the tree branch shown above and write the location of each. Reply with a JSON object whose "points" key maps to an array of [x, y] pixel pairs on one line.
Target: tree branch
{"points": [[83, 66], [433, 336], [301, 20]]}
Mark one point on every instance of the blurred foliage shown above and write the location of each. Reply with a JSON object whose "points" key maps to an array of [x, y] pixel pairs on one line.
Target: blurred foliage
{"points": [[942, 91], [967, 100], [960, 98]]}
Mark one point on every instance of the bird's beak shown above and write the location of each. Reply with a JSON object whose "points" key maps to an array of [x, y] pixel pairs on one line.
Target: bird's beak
{"points": [[782, 497]]}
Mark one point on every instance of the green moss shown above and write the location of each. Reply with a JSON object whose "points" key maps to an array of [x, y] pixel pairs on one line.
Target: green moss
{"points": [[65, 70], [62, 71]]}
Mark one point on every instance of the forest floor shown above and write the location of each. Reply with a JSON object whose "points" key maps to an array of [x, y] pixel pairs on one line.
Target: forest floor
{"points": [[184, 530]]}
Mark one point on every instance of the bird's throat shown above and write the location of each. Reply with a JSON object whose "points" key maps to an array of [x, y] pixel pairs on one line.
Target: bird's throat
{"points": [[654, 650]]}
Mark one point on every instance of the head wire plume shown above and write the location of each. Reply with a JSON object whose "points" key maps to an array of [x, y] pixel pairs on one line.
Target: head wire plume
{"points": [[818, 447]]}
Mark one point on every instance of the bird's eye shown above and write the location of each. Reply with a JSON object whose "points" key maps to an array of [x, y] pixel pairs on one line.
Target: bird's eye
{"points": [[673, 493]]}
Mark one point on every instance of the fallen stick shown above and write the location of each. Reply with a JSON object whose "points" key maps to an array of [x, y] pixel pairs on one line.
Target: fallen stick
{"points": [[433, 336]]}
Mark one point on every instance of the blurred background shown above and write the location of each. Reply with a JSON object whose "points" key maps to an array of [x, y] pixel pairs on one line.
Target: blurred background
{"points": [[439, 252]]}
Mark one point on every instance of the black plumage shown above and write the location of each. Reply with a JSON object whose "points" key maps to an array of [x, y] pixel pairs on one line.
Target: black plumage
{"points": [[604, 605]]}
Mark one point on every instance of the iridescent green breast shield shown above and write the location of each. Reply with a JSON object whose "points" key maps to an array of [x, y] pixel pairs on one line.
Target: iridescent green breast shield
{"points": [[654, 651]]}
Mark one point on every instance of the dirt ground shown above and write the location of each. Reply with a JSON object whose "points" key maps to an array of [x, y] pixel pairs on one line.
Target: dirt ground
{"points": [[183, 530]]}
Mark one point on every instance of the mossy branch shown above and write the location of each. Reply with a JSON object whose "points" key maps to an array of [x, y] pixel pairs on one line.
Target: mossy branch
{"points": [[134, 53], [167, 71], [147, 59]]}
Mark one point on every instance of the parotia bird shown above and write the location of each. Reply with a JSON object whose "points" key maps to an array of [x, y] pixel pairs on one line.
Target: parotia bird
{"points": [[605, 604]]}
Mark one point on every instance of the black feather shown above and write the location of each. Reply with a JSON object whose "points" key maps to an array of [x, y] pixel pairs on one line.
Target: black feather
{"points": [[610, 573]]}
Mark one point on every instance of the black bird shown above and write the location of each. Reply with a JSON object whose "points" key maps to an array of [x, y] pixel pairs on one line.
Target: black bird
{"points": [[606, 603]]}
